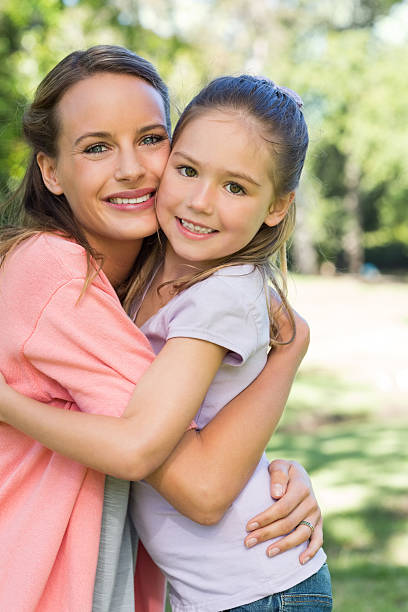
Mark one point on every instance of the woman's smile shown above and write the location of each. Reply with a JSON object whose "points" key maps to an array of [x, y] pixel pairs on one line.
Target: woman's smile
{"points": [[136, 199]]}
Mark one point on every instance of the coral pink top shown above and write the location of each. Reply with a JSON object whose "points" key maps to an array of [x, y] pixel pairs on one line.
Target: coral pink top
{"points": [[85, 355]]}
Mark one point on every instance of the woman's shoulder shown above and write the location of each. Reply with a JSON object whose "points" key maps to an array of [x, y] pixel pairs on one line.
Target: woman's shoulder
{"points": [[47, 255]]}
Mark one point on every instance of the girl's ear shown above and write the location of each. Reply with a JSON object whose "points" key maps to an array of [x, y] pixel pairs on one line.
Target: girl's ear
{"points": [[279, 209], [48, 168]]}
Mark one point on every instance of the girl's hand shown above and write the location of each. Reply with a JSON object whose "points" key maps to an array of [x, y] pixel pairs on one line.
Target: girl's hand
{"points": [[291, 485]]}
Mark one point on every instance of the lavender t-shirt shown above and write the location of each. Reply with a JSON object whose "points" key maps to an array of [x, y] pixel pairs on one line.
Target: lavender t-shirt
{"points": [[208, 567]]}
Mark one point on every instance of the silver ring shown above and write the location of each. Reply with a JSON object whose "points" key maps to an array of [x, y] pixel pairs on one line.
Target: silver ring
{"points": [[311, 527]]}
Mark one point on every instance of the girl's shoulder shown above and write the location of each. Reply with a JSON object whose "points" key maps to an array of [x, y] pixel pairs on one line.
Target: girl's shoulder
{"points": [[238, 291], [239, 284]]}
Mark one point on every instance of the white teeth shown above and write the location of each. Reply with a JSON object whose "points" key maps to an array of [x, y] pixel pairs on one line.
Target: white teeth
{"points": [[195, 228], [131, 200]]}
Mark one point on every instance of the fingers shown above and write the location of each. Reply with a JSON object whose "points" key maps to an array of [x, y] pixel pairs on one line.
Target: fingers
{"points": [[300, 534], [279, 475], [284, 508], [316, 542], [271, 524]]}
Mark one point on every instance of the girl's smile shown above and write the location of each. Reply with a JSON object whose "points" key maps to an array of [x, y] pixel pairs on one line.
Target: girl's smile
{"points": [[193, 230]]}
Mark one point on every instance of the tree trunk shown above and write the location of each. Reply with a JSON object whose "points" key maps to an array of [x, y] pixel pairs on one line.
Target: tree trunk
{"points": [[353, 234], [304, 253]]}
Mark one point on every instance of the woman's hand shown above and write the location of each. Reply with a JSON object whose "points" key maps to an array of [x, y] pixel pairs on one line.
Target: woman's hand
{"points": [[291, 485]]}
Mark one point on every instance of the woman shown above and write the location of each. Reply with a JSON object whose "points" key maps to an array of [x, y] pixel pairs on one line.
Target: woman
{"points": [[75, 348]]}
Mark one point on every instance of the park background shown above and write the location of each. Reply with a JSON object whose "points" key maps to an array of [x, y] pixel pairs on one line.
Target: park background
{"points": [[346, 420]]}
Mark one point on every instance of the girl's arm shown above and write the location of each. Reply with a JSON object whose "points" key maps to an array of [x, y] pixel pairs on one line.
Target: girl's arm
{"points": [[162, 406], [163, 403], [92, 440], [208, 469]]}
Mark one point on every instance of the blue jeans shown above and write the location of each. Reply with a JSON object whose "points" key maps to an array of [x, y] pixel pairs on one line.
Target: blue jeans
{"points": [[312, 595]]}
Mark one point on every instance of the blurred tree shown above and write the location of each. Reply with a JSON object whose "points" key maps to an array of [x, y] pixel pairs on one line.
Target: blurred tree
{"points": [[345, 60]]}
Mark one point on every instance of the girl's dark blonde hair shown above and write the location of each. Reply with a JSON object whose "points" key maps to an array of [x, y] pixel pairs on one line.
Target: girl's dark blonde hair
{"points": [[277, 112], [33, 208]]}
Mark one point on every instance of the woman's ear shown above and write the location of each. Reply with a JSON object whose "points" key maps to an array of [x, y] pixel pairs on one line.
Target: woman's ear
{"points": [[279, 209], [48, 168]]}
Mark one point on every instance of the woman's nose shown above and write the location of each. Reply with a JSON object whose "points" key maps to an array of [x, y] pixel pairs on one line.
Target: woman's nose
{"points": [[129, 166]]}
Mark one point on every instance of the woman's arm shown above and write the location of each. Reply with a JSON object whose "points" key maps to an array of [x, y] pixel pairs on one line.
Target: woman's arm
{"points": [[292, 487]]}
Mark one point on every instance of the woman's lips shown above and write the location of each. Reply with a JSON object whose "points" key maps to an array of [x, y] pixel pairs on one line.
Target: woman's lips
{"points": [[135, 199]]}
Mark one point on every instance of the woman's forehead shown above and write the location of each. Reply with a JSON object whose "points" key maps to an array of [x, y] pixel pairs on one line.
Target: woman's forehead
{"points": [[109, 99]]}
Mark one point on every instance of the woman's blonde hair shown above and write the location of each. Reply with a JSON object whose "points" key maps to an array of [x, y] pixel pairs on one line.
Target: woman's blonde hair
{"points": [[277, 112], [33, 208]]}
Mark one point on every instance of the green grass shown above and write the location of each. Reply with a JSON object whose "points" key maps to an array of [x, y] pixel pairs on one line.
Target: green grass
{"points": [[357, 454], [347, 423]]}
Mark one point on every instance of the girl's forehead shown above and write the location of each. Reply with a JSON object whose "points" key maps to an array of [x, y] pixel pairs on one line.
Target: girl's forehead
{"points": [[230, 124]]}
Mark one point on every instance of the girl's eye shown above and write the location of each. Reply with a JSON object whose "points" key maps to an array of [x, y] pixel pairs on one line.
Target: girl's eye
{"points": [[235, 189], [152, 139], [187, 171], [96, 148]]}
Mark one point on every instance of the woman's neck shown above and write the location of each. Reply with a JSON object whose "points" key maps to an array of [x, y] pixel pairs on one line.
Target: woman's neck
{"points": [[119, 257]]}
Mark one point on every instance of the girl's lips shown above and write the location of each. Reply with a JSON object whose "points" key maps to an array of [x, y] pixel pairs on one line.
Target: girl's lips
{"points": [[192, 230], [132, 199]]}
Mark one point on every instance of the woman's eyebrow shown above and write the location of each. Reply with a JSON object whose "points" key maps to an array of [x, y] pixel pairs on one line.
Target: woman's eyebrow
{"points": [[143, 130], [91, 135], [235, 174]]}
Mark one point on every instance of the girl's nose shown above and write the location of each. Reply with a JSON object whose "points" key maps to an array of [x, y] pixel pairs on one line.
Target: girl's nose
{"points": [[202, 200], [129, 166]]}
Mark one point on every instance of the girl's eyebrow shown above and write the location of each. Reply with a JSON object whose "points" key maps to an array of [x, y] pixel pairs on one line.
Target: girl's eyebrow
{"points": [[143, 130], [240, 175]]}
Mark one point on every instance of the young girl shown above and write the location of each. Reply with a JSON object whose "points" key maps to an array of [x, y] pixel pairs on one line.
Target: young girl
{"points": [[98, 129], [226, 206]]}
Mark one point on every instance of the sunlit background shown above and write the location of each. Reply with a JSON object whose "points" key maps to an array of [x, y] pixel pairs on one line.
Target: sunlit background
{"points": [[347, 418]]}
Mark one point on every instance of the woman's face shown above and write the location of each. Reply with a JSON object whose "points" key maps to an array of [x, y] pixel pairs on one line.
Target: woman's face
{"points": [[112, 150]]}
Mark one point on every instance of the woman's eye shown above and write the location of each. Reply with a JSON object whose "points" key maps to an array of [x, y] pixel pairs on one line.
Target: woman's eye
{"points": [[187, 171], [234, 188], [96, 148], [152, 139]]}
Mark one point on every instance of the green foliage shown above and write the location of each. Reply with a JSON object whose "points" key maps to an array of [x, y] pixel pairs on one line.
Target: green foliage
{"points": [[349, 73]]}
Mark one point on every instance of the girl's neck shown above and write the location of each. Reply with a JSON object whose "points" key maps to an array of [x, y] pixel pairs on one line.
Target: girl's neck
{"points": [[175, 267], [172, 268]]}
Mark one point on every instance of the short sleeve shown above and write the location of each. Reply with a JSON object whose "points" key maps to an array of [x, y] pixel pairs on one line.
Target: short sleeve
{"points": [[90, 347], [219, 312]]}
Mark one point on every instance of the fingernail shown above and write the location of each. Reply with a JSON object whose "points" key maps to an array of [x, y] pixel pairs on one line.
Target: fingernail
{"points": [[273, 551], [251, 542], [252, 526], [305, 560], [277, 490]]}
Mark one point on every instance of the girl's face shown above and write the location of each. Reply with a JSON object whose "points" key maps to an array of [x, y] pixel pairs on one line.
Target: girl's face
{"points": [[112, 150], [216, 191]]}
